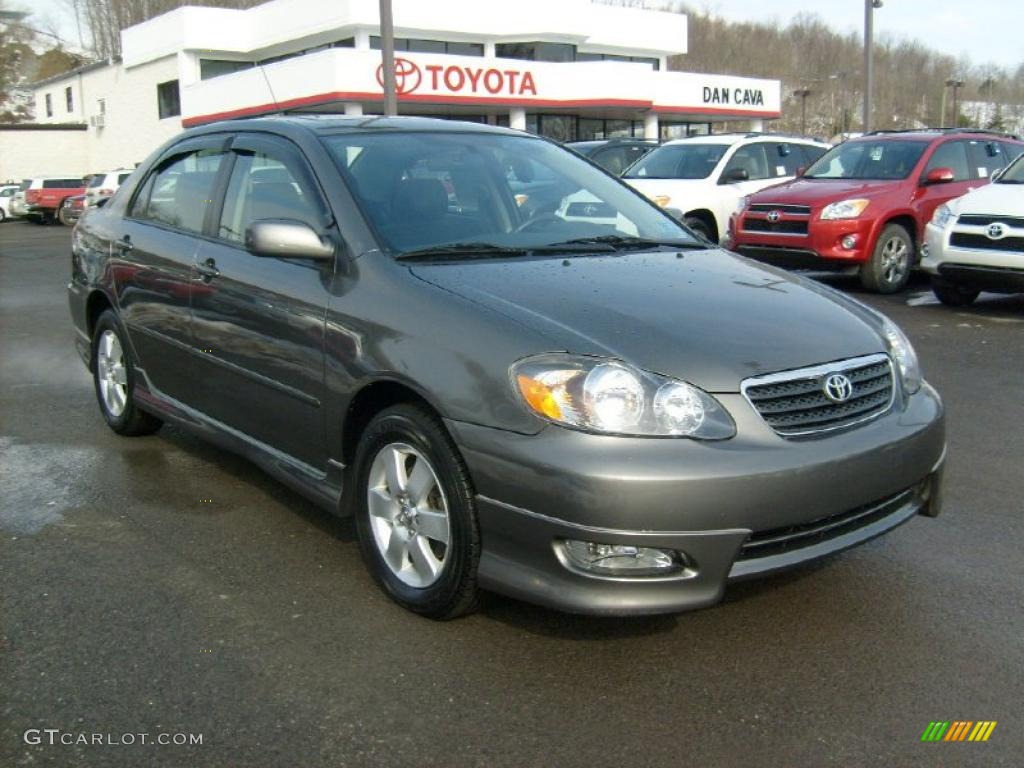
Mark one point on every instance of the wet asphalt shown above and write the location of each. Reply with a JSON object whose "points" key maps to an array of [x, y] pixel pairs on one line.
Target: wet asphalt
{"points": [[160, 586]]}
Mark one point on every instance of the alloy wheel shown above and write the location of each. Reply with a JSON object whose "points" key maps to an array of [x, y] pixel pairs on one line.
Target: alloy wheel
{"points": [[111, 373], [895, 260], [408, 514]]}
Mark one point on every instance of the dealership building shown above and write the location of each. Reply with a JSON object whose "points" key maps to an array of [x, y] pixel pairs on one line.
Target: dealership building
{"points": [[569, 69]]}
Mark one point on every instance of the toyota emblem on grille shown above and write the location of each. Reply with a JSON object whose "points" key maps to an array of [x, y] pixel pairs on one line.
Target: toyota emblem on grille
{"points": [[996, 231], [838, 388], [774, 216]]}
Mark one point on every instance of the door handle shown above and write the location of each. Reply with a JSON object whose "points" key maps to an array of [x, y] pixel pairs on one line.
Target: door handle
{"points": [[207, 269], [125, 244]]}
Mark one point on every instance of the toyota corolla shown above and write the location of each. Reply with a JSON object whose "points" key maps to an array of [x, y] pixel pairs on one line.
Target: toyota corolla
{"points": [[404, 320]]}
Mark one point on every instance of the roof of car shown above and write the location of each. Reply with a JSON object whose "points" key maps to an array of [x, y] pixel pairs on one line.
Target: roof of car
{"points": [[930, 134], [735, 138], [329, 123]]}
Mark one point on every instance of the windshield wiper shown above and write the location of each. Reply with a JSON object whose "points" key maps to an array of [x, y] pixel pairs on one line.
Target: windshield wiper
{"points": [[461, 251], [625, 243]]}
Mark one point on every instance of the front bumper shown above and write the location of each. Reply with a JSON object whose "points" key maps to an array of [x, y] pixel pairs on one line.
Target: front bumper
{"points": [[801, 499], [985, 269], [820, 248]]}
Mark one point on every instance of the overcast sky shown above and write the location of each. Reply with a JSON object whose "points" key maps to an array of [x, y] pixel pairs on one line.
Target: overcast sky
{"points": [[984, 30]]}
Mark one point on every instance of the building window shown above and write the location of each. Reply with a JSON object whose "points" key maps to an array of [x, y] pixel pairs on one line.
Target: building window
{"points": [[348, 42], [49, 105], [585, 56], [101, 104], [536, 51], [415, 45], [216, 67], [69, 99], [168, 99]]}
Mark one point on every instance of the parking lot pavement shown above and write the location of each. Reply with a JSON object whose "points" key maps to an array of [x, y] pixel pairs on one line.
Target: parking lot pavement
{"points": [[161, 586]]}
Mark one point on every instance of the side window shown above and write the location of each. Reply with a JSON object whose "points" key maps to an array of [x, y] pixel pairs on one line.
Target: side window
{"points": [[263, 187], [180, 191], [752, 159], [952, 155], [986, 157], [613, 159], [784, 159], [811, 154], [1012, 151]]}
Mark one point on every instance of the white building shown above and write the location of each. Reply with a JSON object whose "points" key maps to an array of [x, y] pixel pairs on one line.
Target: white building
{"points": [[570, 69]]}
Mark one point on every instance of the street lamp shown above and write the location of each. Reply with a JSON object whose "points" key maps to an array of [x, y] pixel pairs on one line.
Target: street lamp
{"points": [[387, 55], [956, 85], [802, 94], [869, 69]]}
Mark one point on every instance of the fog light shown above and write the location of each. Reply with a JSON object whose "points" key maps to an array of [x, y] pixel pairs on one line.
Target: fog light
{"points": [[621, 559], [849, 241]]}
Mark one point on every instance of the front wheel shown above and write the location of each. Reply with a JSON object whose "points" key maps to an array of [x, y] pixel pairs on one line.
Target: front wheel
{"points": [[415, 513], [113, 376], [951, 294], [700, 227], [62, 217], [888, 270]]}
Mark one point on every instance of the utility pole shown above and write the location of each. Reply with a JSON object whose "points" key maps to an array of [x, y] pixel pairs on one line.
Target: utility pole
{"points": [[869, 65], [955, 85], [387, 54], [802, 94]]}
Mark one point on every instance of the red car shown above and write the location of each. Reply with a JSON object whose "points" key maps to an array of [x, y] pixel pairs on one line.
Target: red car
{"points": [[864, 204], [44, 196]]}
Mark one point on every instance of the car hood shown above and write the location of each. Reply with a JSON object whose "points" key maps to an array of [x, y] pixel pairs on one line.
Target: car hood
{"points": [[820, 192], [711, 317], [994, 200], [683, 193]]}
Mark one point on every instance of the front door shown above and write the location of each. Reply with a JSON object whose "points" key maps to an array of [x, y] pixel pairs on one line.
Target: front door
{"points": [[259, 322], [928, 197]]}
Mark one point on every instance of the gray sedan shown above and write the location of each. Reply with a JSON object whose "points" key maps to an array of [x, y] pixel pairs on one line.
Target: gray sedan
{"points": [[512, 369]]}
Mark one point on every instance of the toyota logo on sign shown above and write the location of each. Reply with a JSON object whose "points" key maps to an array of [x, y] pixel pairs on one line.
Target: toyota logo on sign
{"points": [[996, 231], [407, 76]]}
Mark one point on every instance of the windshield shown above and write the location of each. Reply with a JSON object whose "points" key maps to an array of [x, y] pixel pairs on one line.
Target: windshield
{"points": [[1014, 173], [490, 191], [678, 161], [868, 160]]}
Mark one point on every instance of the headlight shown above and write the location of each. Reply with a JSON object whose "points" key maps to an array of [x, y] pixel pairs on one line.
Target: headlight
{"points": [[942, 216], [661, 201], [845, 209], [906, 359], [610, 397], [741, 204]]}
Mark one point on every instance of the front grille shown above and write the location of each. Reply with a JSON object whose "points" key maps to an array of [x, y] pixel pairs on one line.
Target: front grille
{"points": [[800, 210], [982, 242], [793, 403], [978, 220], [777, 227], [788, 538]]}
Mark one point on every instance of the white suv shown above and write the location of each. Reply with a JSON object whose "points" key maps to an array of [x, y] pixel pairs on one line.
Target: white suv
{"points": [[6, 195], [976, 242], [103, 185], [704, 178]]}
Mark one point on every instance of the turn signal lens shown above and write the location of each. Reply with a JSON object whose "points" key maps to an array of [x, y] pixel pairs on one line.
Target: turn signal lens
{"points": [[661, 200], [540, 397]]}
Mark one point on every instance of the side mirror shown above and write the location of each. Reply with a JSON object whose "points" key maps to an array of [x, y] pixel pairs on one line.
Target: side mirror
{"points": [[736, 174], [100, 202], [288, 239], [939, 176]]}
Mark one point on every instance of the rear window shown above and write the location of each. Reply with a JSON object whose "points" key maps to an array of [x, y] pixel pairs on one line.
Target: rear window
{"points": [[96, 181], [62, 183], [25, 184]]}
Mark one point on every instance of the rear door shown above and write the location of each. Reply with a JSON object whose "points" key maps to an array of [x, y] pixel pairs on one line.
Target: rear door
{"points": [[151, 261], [259, 322]]}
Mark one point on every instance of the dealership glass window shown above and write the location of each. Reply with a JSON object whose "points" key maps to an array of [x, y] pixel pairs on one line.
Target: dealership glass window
{"points": [[415, 45], [168, 99], [49, 105], [587, 56], [557, 127], [178, 193], [209, 68], [69, 99], [536, 51], [465, 49]]}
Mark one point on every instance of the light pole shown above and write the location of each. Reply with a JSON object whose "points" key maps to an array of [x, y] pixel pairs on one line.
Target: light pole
{"points": [[387, 54], [869, 67], [956, 85], [802, 94]]}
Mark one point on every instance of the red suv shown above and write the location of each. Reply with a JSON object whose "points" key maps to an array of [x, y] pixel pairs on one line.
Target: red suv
{"points": [[864, 204]]}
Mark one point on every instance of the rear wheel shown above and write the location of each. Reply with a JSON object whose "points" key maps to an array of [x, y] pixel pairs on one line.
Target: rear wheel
{"points": [[888, 270], [114, 377], [3, 214], [62, 216], [415, 513], [951, 294]]}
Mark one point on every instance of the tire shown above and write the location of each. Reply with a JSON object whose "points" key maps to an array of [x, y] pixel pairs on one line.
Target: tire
{"points": [[62, 217], [700, 227], [113, 375], [3, 215], [888, 270], [408, 558], [951, 294]]}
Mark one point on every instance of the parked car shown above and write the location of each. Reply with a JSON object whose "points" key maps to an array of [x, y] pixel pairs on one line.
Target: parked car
{"points": [[614, 155], [18, 206], [975, 243], [44, 195], [6, 195], [703, 178], [596, 416], [104, 185], [71, 210], [863, 206]]}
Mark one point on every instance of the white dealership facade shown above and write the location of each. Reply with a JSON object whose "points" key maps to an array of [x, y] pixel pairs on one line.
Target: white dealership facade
{"points": [[570, 69]]}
